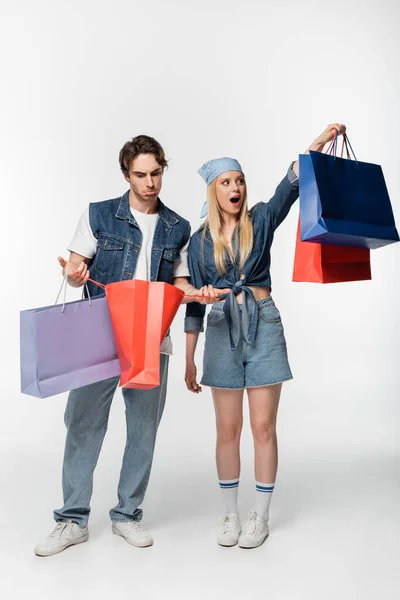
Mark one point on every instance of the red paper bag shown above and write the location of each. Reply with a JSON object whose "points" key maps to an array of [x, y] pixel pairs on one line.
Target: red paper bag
{"points": [[323, 263], [141, 315]]}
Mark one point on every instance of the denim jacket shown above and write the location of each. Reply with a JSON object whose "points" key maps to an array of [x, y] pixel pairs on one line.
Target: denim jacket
{"points": [[266, 217], [119, 240]]}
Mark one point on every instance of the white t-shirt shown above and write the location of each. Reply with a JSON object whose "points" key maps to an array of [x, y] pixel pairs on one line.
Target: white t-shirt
{"points": [[85, 244]]}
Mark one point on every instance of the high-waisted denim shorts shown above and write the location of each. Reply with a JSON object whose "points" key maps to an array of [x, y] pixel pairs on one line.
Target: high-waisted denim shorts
{"points": [[265, 362]]}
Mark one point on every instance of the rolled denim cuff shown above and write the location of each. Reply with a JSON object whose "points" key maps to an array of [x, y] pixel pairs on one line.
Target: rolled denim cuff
{"points": [[291, 175], [194, 324]]}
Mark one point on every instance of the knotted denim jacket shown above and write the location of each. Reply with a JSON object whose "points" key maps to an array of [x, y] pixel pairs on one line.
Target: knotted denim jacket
{"points": [[266, 217]]}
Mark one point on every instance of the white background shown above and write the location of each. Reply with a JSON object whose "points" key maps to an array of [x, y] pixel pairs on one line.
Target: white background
{"points": [[254, 80]]}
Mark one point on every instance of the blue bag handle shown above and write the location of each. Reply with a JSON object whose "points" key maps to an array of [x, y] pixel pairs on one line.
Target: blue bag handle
{"points": [[332, 150]]}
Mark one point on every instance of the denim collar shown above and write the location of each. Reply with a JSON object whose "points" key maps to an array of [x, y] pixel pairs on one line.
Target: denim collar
{"points": [[124, 211]]}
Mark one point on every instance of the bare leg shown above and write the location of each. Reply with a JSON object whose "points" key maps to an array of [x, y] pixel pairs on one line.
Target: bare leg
{"points": [[228, 406], [263, 406]]}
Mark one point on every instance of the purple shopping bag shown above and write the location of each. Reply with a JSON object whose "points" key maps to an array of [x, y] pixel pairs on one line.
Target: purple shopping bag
{"points": [[64, 347]]}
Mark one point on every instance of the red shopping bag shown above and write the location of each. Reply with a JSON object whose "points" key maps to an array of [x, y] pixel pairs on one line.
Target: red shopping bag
{"points": [[323, 263], [141, 315]]}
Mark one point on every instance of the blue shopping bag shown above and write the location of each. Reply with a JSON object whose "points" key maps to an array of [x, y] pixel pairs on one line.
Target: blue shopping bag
{"points": [[67, 346], [344, 202]]}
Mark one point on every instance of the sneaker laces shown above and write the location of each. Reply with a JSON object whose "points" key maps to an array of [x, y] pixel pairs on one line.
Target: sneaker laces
{"points": [[58, 529], [230, 524], [253, 524], [135, 525]]}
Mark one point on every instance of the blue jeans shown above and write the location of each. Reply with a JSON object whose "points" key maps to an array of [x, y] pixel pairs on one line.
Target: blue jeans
{"points": [[86, 419]]}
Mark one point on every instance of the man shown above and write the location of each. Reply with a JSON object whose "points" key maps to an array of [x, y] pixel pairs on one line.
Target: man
{"points": [[135, 235]]}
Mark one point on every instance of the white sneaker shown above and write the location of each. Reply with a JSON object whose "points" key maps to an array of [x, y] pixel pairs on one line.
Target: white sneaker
{"points": [[254, 533], [133, 532], [63, 535], [229, 530]]}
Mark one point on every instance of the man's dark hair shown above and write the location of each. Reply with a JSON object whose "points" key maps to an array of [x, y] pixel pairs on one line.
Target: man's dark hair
{"points": [[141, 144]]}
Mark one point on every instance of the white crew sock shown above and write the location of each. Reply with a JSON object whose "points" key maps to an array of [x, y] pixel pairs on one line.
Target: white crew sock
{"points": [[263, 499], [229, 490]]}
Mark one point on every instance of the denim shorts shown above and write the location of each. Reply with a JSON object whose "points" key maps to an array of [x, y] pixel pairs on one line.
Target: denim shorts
{"points": [[265, 362]]}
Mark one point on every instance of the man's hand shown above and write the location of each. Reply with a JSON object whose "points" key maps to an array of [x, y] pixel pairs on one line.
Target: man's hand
{"points": [[191, 378], [77, 271]]}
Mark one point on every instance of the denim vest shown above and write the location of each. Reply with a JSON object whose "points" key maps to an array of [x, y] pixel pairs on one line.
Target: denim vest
{"points": [[119, 240], [266, 217]]}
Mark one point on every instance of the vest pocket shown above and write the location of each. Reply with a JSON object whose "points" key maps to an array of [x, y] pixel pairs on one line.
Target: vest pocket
{"points": [[171, 253], [109, 243], [168, 257], [109, 260]]}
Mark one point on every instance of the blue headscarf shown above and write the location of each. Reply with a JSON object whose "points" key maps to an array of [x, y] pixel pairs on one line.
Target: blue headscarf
{"points": [[212, 168]]}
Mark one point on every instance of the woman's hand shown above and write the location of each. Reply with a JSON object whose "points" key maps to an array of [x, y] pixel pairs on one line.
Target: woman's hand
{"points": [[327, 136], [318, 144], [191, 378], [208, 294]]}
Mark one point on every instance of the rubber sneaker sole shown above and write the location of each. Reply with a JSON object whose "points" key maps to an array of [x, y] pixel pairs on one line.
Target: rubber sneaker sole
{"points": [[227, 545], [80, 540], [143, 544], [252, 547]]}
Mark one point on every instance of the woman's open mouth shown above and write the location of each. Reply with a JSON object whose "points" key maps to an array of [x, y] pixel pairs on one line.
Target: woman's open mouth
{"points": [[235, 200]]}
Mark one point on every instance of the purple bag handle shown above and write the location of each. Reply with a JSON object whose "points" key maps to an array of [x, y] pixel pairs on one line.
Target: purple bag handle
{"points": [[64, 285]]}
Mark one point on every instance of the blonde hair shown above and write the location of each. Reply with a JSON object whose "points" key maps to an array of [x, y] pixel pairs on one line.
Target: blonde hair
{"points": [[213, 223]]}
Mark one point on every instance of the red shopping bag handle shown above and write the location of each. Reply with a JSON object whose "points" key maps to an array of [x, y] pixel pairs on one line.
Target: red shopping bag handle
{"points": [[332, 149], [103, 287], [100, 285]]}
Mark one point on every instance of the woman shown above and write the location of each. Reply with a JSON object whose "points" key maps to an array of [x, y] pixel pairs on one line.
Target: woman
{"points": [[245, 346]]}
